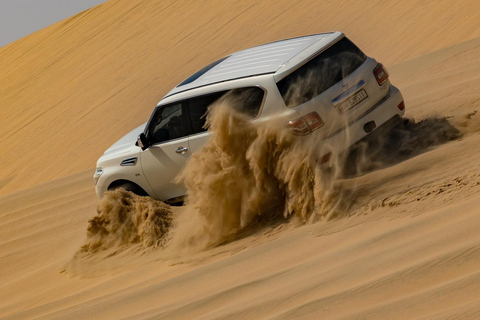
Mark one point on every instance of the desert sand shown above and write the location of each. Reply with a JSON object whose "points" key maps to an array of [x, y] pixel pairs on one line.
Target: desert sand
{"points": [[405, 247]]}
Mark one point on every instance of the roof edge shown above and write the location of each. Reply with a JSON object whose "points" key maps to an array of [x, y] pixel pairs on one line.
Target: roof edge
{"points": [[307, 54]]}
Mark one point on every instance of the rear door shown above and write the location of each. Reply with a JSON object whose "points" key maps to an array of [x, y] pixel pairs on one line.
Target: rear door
{"points": [[169, 151], [246, 100], [197, 113]]}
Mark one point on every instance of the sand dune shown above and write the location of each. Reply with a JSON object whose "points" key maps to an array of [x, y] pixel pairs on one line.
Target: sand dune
{"points": [[407, 247], [75, 87]]}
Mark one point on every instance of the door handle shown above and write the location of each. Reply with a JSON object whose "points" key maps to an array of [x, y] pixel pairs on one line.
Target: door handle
{"points": [[181, 150]]}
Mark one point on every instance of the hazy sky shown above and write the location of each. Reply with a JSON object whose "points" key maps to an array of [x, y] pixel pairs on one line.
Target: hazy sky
{"points": [[19, 18]]}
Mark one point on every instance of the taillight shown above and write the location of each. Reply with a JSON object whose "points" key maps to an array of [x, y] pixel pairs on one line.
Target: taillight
{"points": [[305, 124], [298, 126], [324, 159], [313, 120], [401, 106], [381, 74]]}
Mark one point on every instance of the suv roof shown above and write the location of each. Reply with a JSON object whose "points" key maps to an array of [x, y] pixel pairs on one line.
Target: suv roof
{"points": [[276, 57]]}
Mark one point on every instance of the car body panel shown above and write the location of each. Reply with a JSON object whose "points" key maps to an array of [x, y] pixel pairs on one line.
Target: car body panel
{"points": [[353, 131], [160, 165], [124, 144], [334, 118]]}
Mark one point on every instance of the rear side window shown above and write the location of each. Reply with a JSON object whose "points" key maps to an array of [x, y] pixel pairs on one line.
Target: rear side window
{"points": [[245, 100], [321, 73]]}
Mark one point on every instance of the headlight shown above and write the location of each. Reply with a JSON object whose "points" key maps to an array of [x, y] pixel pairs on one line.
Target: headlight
{"points": [[97, 175]]}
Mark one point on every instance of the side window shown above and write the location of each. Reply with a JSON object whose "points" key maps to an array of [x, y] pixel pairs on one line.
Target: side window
{"points": [[245, 100], [198, 107], [167, 124]]}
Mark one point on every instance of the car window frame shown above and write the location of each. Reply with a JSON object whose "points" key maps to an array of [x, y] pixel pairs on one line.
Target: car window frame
{"points": [[189, 117], [184, 115], [225, 91], [186, 111]]}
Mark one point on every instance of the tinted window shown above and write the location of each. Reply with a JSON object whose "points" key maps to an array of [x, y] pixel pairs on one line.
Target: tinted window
{"points": [[168, 123], [198, 108], [321, 73], [246, 100]]}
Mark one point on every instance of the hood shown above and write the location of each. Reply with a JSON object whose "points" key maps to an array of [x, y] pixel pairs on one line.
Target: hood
{"points": [[126, 143]]}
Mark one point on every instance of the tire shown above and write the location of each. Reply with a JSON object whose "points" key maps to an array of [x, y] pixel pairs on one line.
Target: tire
{"points": [[130, 187]]}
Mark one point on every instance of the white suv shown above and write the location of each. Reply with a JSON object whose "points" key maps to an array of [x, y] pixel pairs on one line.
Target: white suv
{"points": [[320, 84]]}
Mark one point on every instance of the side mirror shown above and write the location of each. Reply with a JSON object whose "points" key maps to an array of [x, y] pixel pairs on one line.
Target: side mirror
{"points": [[142, 141]]}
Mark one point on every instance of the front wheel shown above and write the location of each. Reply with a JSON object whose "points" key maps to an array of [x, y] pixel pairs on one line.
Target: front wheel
{"points": [[130, 187]]}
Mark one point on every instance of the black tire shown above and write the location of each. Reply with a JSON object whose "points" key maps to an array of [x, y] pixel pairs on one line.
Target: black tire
{"points": [[130, 187]]}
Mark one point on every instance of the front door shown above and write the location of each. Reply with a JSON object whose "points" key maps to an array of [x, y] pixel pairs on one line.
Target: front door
{"points": [[168, 151]]}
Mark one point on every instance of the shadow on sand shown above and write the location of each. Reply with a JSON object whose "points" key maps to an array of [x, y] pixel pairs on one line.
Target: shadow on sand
{"points": [[397, 143]]}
